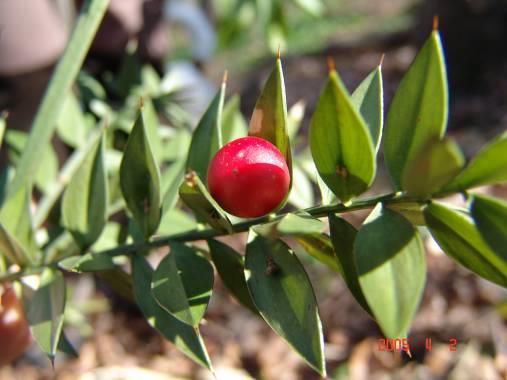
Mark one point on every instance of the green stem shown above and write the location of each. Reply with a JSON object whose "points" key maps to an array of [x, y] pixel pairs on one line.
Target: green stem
{"points": [[202, 234], [15, 276]]}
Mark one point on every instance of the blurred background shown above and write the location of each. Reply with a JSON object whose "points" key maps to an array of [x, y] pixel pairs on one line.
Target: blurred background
{"points": [[176, 52]]}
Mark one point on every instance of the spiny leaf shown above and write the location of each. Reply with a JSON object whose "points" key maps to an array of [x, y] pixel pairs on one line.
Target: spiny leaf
{"points": [[418, 110], [46, 311], [84, 204], [340, 142], [490, 216], [207, 137], [140, 180], [184, 337], [459, 238], [368, 98], [434, 166], [488, 167], [182, 284], [269, 119], [343, 236], [282, 293], [230, 265], [390, 262]]}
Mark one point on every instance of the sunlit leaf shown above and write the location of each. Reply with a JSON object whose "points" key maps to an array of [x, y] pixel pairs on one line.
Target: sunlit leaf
{"points": [[489, 166], [434, 166], [340, 142], [418, 111], [368, 98]]}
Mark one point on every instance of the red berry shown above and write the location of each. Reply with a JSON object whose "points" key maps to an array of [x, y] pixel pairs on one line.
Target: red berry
{"points": [[15, 334], [248, 177]]}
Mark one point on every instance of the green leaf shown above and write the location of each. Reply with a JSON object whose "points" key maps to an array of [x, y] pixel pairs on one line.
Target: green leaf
{"points": [[488, 167], [282, 293], [490, 216], [90, 262], [418, 111], [45, 176], [343, 236], [313, 7], [182, 284], [176, 222], [459, 238], [413, 212], [301, 196], [319, 246], [46, 311], [16, 218], [234, 124], [84, 204], [185, 338], [72, 127], [392, 271], [196, 196], [230, 266], [291, 224], [11, 248], [140, 180], [368, 98], [151, 123], [65, 346], [207, 137], [62, 79], [171, 182], [434, 166], [340, 142], [269, 118]]}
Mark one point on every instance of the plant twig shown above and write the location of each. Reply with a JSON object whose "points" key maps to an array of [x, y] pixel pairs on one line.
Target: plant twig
{"points": [[201, 234]]}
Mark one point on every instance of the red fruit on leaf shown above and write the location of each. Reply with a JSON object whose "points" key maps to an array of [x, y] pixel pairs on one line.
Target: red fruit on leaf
{"points": [[248, 177], [15, 334]]}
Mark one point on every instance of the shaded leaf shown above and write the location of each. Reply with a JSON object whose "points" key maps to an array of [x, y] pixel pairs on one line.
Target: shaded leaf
{"points": [[343, 236], [490, 216], [418, 111], [282, 293], [434, 166], [320, 247], [207, 137], [392, 270], [185, 338], [459, 238], [11, 248], [46, 311], [301, 196], [489, 166], [368, 98], [196, 196], [65, 346], [140, 180], [291, 224], [182, 284], [84, 204], [340, 142], [269, 118], [171, 182], [230, 266], [151, 123]]}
